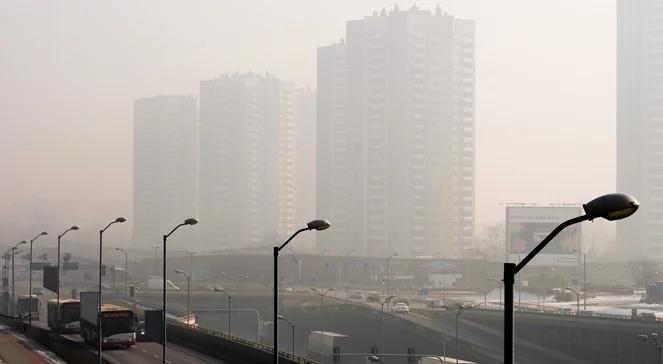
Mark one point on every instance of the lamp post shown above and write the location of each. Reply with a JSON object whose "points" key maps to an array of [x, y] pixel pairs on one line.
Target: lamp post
{"points": [[610, 207], [187, 275], [126, 273], [99, 297], [189, 221], [313, 225], [458, 312], [342, 268], [222, 290], [382, 303], [389, 272], [156, 248], [577, 298], [15, 250], [485, 273], [281, 317], [584, 278], [322, 293], [57, 311], [43, 233], [499, 285]]}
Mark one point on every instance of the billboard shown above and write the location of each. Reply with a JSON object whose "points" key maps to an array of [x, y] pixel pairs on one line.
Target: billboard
{"points": [[527, 226]]}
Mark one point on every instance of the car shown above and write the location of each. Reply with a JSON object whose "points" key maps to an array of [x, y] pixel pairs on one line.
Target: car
{"points": [[646, 316], [433, 304], [400, 307], [356, 295], [140, 331]]}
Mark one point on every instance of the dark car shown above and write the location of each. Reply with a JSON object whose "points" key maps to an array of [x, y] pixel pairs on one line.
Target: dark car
{"points": [[140, 331]]}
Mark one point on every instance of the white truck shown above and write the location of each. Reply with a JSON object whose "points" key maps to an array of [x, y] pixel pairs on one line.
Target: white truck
{"points": [[118, 324], [157, 283]]}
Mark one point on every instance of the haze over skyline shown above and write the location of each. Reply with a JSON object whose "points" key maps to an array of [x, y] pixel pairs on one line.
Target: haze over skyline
{"points": [[545, 101]]}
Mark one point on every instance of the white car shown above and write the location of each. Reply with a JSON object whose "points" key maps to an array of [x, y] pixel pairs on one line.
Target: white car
{"points": [[400, 308]]}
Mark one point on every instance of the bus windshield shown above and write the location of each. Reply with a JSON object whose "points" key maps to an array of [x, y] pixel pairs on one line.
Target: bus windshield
{"points": [[117, 323]]}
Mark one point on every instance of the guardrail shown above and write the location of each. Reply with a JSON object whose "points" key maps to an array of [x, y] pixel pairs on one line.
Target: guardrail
{"points": [[238, 340]]}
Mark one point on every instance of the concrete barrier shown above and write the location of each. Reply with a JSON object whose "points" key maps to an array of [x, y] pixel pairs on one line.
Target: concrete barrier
{"points": [[232, 349]]}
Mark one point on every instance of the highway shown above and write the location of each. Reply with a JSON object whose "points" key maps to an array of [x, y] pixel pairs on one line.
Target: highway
{"points": [[150, 352]]}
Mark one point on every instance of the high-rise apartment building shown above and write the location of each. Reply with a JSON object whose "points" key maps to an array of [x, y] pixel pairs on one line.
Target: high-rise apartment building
{"points": [[396, 135], [248, 159], [165, 168], [640, 124]]}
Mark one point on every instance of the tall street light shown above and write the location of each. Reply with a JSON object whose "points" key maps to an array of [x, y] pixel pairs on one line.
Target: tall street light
{"points": [[584, 278], [389, 271], [281, 317], [458, 312], [43, 233], [187, 275], [313, 225], [384, 301], [577, 298], [220, 289], [322, 293], [156, 265], [57, 311], [101, 246], [15, 250], [499, 284], [611, 207], [485, 278], [342, 267], [126, 273], [190, 221]]}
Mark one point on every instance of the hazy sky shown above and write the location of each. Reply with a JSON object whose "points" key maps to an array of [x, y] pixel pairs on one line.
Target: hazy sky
{"points": [[69, 71]]}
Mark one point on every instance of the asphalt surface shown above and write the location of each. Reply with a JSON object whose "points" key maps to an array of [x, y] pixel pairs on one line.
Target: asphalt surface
{"points": [[150, 352]]}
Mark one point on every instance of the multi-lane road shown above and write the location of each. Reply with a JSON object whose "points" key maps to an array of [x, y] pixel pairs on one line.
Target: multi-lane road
{"points": [[150, 352]]}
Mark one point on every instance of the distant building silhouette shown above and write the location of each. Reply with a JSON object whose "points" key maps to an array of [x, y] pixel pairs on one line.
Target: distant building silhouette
{"points": [[395, 169], [248, 160], [165, 169], [640, 124]]}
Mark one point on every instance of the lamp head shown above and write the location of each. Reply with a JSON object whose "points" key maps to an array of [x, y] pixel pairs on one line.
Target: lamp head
{"points": [[179, 271], [74, 227], [190, 221], [318, 225], [120, 219], [43, 233], [22, 242], [218, 289], [614, 206]]}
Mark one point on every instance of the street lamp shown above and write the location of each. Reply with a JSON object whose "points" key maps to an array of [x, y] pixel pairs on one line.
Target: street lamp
{"points": [[99, 298], [584, 277], [577, 298], [187, 275], [382, 303], [313, 225], [222, 290], [14, 250], [126, 273], [156, 248], [485, 273], [458, 312], [43, 233], [322, 293], [57, 311], [389, 271], [281, 317], [499, 285], [189, 221], [611, 207]]}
